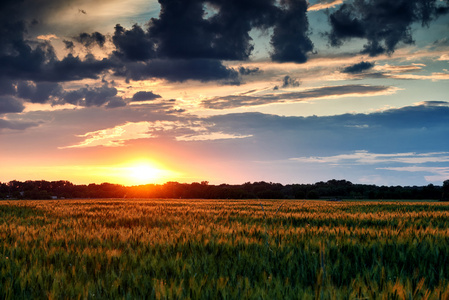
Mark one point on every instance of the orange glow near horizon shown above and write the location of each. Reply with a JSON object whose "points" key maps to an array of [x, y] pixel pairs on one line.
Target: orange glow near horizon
{"points": [[129, 173], [139, 172]]}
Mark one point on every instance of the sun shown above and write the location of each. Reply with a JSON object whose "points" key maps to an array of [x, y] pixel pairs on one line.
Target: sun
{"points": [[143, 173], [138, 172]]}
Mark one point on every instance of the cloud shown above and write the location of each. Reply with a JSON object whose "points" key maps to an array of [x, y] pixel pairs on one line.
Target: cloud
{"points": [[184, 31], [16, 125], [51, 92], [211, 136], [364, 157], [24, 59], [47, 37], [115, 102], [74, 68], [38, 92], [433, 163], [113, 137], [228, 102], [382, 23], [68, 44], [288, 81], [92, 96], [437, 173], [9, 104], [444, 57], [434, 76], [400, 68], [88, 40], [324, 5], [249, 71], [433, 103], [183, 43], [175, 111], [443, 42], [367, 69], [411, 129], [41, 64], [180, 130], [180, 70], [7, 87], [290, 40], [358, 68], [17, 58], [189, 40], [145, 96], [134, 44]]}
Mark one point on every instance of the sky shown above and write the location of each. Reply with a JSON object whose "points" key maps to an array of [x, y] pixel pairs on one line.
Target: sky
{"points": [[225, 91]]}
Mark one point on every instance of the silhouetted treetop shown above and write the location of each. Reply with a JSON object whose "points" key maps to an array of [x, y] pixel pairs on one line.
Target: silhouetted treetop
{"points": [[332, 189]]}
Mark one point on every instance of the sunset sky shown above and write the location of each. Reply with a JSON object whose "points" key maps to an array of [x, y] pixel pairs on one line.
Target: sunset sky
{"points": [[225, 91]]}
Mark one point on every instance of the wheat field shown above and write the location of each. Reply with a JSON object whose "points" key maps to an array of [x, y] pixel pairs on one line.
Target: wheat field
{"points": [[223, 249]]}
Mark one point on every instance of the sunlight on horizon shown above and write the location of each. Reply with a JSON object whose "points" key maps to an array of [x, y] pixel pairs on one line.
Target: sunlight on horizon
{"points": [[143, 172], [127, 171]]}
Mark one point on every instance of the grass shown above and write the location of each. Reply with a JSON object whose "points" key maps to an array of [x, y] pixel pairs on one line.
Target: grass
{"points": [[229, 249]]}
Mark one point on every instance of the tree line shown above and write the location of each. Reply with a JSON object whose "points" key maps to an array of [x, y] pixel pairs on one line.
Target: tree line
{"points": [[331, 190]]}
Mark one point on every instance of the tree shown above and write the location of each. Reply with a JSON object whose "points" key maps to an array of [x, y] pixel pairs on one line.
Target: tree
{"points": [[445, 195]]}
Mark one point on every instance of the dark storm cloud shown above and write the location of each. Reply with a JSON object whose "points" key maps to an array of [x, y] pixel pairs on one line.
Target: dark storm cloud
{"points": [[145, 96], [288, 81], [23, 59], [69, 45], [15, 50], [134, 44], [9, 104], [17, 58], [185, 31], [228, 102], [442, 10], [11, 34], [290, 40], [38, 92], [92, 96], [383, 23], [7, 87], [189, 40], [249, 71], [89, 40], [175, 111], [20, 61], [50, 92], [358, 68], [74, 68], [179, 70], [31, 69], [115, 102]]}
